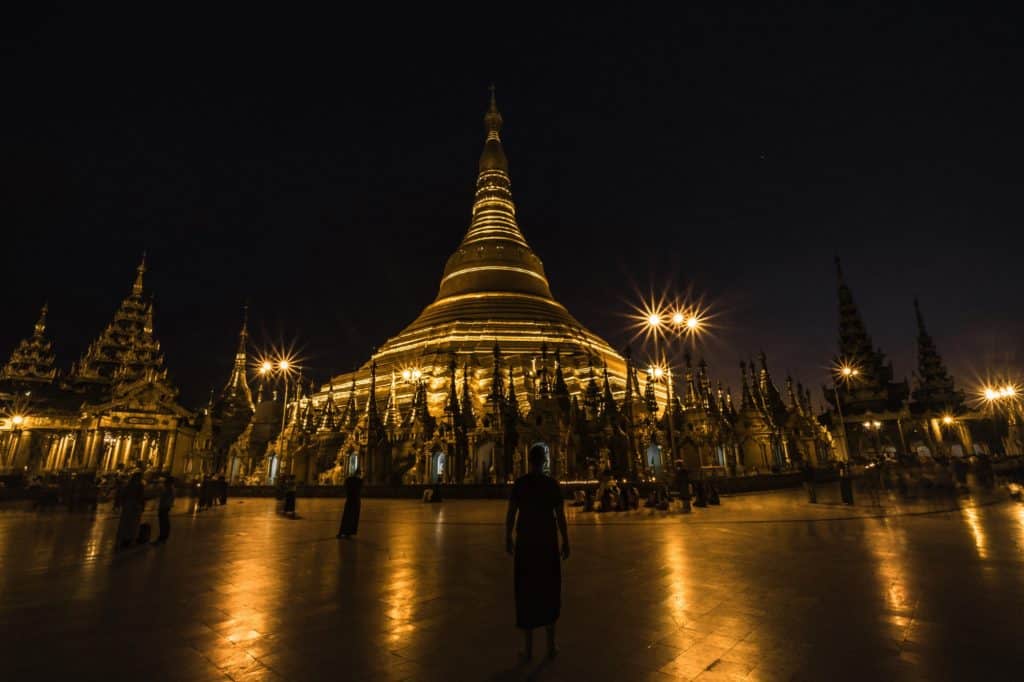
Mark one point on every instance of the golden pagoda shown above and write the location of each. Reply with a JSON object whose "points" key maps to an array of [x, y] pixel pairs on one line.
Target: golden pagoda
{"points": [[493, 291]]}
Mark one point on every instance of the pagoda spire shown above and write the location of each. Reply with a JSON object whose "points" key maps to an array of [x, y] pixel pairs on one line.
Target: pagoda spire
{"points": [[608, 405], [237, 391], [33, 358], [351, 415], [560, 390], [497, 382], [746, 397], [452, 408], [649, 395], [494, 255], [139, 272], [391, 409], [935, 388], [329, 417], [372, 415], [468, 418], [855, 344], [512, 402]]}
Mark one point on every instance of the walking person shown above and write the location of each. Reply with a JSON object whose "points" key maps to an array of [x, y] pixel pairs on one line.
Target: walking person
{"points": [[222, 490], [537, 513], [682, 481], [290, 490], [163, 510], [808, 472], [353, 503], [133, 499]]}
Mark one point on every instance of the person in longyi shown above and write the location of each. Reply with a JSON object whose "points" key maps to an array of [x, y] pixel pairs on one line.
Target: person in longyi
{"points": [[536, 512]]}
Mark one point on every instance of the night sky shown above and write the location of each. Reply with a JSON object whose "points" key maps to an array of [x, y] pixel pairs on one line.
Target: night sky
{"points": [[322, 168]]}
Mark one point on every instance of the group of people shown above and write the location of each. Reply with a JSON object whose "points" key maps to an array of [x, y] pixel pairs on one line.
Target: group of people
{"points": [[210, 490], [130, 500]]}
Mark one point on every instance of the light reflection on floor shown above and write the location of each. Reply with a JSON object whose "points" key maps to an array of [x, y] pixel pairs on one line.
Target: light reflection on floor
{"points": [[764, 587]]}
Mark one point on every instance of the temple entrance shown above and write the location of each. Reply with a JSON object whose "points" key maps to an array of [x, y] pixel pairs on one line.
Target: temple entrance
{"points": [[484, 462], [438, 462], [235, 463], [654, 458], [272, 469], [353, 463]]}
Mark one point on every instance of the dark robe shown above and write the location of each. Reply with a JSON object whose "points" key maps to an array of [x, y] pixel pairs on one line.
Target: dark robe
{"points": [[353, 503], [538, 570]]}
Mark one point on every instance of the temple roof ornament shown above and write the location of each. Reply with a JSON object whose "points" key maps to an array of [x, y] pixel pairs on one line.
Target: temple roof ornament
{"points": [[32, 359], [236, 396], [126, 350], [935, 389]]}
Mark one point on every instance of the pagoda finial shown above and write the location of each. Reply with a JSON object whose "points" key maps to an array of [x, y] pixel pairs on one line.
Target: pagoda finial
{"points": [[493, 156], [920, 318], [139, 272], [41, 324]]}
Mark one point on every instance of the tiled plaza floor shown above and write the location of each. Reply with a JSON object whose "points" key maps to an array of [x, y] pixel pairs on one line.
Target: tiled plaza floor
{"points": [[766, 587]]}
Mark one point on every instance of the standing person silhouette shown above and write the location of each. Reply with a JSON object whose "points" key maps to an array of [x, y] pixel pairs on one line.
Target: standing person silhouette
{"points": [[537, 512], [353, 503]]}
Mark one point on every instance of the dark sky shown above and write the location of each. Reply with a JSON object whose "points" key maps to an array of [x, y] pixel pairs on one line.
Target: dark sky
{"points": [[322, 168]]}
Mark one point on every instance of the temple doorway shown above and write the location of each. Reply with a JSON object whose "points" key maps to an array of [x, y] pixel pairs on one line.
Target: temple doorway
{"points": [[484, 462], [438, 461], [353, 463], [654, 458]]}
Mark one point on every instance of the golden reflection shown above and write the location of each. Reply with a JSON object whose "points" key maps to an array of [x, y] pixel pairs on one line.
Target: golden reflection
{"points": [[977, 531], [886, 544], [250, 601], [679, 583]]}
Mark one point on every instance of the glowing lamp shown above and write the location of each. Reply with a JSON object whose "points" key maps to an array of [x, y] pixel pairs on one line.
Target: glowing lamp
{"points": [[18, 420], [654, 320], [283, 365], [947, 419], [266, 367], [678, 319], [692, 322]]}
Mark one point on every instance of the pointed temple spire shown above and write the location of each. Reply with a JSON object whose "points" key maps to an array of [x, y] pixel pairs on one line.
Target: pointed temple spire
{"points": [[497, 383], [512, 402], [126, 351], [236, 394], [560, 389], [452, 408], [746, 397], [649, 396], [329, 415], [391, 409], [855, 344], [33, 358], [351, 415], [372, 416], [139, 272], [468, 418], [935, 389], [494, 255]]}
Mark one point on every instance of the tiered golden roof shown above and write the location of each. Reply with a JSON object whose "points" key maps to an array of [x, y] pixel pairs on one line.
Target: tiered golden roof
{"points": [[126, 351], [33, 358]]}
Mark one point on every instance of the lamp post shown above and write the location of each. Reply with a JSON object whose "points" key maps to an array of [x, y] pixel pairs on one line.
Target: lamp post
{"points": [[283, 367], [995, 396], [16, 421], [655, 321], [846, 373]]}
